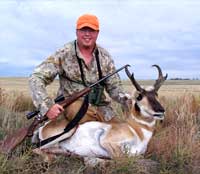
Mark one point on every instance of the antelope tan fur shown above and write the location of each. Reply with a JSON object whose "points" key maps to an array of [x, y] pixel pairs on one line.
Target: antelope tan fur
{"points": [[115, 138]]}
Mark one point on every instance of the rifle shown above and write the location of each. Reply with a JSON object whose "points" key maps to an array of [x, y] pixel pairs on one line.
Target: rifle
{"points": [[10, 142]]}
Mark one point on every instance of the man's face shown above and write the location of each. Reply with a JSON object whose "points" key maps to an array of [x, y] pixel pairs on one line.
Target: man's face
{"points": [[87, 37]]}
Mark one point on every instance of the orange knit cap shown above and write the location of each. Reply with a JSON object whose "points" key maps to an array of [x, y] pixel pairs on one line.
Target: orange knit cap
{"points": [[87, 20]]}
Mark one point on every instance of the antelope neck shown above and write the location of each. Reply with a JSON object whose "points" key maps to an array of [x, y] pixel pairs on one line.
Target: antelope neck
{"points": [[137, 113], [142, 121]]}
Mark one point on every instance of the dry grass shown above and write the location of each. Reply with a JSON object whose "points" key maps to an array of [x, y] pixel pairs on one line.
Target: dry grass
{"points": [[177, 142], [175, 147], [20, 84]]}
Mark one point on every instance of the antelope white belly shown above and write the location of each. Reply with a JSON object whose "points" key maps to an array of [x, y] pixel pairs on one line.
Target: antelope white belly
{"points": [[86, 140], [141, 146]]}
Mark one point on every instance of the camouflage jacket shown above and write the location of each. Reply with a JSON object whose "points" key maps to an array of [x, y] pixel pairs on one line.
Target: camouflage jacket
{"points": [[64, 64]]}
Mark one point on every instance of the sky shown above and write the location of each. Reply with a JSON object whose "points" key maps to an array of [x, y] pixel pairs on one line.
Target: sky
{"points": [[136, 32]]}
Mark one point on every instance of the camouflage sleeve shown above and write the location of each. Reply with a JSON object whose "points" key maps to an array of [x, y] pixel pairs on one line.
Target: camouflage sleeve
{"points": [[42, 76], [114, 84]]}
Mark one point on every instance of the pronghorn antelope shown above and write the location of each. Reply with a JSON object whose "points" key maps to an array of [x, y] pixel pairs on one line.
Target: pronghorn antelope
{"points": [[113, 138]]}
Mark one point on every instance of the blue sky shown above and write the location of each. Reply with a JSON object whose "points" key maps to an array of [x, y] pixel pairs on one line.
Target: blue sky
{"points": [[137, 32]]}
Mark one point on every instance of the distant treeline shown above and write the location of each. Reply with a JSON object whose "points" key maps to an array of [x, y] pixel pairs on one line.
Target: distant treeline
{"points": [[177, 78]]}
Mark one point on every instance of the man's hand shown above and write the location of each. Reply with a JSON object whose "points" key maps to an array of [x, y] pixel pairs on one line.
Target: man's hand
{"points": [[54, 111]]}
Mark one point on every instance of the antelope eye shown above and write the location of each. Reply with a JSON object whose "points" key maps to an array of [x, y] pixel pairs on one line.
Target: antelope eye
{"points": [[139, 97]]}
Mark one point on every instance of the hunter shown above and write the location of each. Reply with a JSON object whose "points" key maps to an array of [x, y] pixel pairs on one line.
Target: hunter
{"points": [[78, 64]]}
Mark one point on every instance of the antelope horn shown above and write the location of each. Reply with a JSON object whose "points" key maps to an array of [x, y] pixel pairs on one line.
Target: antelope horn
{"points": [[160, 79], [131, 77]]}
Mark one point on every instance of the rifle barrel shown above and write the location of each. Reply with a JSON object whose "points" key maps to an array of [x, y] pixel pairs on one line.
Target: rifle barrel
{"points": [[104, 78]]}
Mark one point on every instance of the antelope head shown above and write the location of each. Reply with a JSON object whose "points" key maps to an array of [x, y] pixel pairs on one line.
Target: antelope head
{"points": [[146, 100]]}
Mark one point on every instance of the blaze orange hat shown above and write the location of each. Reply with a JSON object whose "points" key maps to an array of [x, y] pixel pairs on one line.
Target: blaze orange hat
{"points": [[87, 20]]}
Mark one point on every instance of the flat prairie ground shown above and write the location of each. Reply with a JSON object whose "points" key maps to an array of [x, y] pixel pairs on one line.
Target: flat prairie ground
{"points": [[20, 84], [169, 88]]}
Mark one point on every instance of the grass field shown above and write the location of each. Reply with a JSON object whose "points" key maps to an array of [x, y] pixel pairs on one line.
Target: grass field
{"points": [[174, 149], [169, 87]]}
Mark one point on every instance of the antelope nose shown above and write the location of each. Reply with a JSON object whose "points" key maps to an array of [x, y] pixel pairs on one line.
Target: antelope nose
{"points": [[161, 110]]}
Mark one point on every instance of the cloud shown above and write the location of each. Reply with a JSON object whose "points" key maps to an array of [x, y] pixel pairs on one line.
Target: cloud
{"points": [[138, 32]]}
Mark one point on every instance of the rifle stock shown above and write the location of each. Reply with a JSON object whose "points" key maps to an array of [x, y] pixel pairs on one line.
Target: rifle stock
{"points": [[34, 124]]}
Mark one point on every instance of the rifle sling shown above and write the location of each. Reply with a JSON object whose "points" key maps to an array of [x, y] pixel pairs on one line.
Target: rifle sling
{"points": [[71, 124]]}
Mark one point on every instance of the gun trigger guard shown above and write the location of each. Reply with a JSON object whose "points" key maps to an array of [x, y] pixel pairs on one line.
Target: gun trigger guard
{"points": [[39, 116]]}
